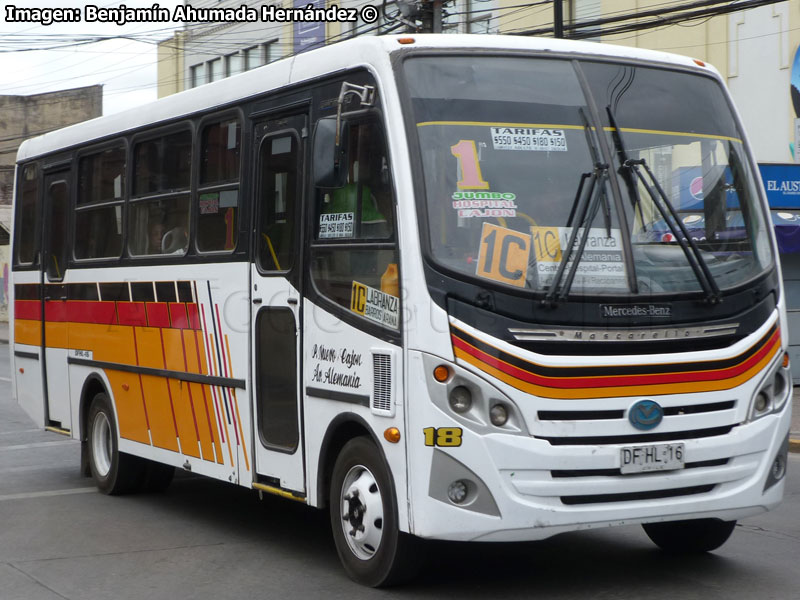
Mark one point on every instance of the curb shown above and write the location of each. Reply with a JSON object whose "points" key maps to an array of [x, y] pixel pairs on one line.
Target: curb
{"points": [[794, 445]]}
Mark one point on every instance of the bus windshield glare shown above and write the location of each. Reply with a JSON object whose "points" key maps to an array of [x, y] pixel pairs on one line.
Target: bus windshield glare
{"points": [[521, 190]]}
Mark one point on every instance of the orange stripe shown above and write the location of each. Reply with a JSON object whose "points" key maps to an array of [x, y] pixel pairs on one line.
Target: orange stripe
{"points": [[27, 332], [236, 403], [213, 363]]}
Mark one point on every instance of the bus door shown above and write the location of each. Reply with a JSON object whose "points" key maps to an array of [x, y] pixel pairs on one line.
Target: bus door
{"points": [[54, 297], [276, 301]]}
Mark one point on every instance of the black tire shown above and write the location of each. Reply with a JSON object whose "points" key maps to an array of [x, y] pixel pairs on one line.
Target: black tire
{"points": [[157, 476], [378, 554], [690, 537], [114, 472]]}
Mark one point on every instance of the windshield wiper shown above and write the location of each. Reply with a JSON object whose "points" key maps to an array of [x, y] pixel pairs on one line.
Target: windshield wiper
{"points": [[687, 244], [668, 213], [584, 207], [627, 176]]}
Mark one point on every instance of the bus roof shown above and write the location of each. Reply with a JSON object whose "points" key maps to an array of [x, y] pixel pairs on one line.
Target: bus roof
{"points": [[366, 50]]}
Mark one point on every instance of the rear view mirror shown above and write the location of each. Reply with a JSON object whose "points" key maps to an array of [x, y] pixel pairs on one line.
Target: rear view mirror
{"points": [[329, 160]]}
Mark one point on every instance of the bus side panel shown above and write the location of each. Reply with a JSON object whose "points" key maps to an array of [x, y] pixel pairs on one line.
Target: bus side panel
{"points": [[161, 416], [338, 359], [26, 328]]}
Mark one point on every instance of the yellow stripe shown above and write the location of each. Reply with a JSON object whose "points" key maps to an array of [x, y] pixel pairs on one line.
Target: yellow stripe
{"points": [[614, 392], [557, 126], [57, 430], [236, 404], [706, 136], [278, 492], [490, 124]]}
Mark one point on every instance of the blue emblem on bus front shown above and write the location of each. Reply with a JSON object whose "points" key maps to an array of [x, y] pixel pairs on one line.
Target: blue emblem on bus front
{"points": [[645, 414]]}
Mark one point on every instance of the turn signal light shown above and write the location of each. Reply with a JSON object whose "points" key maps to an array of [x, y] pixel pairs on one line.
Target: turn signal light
{"points": [[392, 435], [441, 373], [405, 40], [699, 62], [785, 360]]}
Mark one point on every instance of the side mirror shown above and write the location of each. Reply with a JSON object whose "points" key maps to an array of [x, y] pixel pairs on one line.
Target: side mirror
{"points": [[329, 161]]}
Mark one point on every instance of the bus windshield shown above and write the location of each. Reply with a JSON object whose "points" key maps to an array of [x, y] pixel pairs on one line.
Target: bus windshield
{"points": [[521, 190]]}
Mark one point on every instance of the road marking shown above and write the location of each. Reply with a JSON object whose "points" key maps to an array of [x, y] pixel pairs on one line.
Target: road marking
{"points": [[40, 445], [47, 494]]}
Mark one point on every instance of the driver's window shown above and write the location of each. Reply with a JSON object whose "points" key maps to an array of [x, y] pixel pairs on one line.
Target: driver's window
{"points": [[354, 258]]}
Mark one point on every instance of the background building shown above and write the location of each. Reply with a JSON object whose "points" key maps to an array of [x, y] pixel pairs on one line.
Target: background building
{"points": [[22, 117]]}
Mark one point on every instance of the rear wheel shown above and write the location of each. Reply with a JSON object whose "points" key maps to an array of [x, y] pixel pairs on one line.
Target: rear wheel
{"points": [[690, 537], [363, 511], [113, 472]]}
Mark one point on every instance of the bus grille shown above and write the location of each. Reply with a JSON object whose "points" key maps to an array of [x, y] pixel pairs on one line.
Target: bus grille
{"points": [[638, 438], [631, 496], [382, 378]]}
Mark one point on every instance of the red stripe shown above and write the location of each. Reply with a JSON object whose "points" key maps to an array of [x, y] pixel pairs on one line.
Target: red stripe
{"points": [[157, 314], [28, 309], [55, 311], [619, 381], [177, 314], [194, 318], [132, 313], [88, 311]]}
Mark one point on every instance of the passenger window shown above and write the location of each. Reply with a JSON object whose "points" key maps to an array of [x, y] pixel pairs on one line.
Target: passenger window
{"points": [[159, 210], [218, 195], [279, 190], [354, 259], [98, 214], [28, 216]]}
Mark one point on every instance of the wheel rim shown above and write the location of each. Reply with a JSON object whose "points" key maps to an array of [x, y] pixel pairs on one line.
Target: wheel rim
{"points": [[101, 444], [362, 512]]}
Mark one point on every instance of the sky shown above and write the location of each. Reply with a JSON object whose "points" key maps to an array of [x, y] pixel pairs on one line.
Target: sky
{"points": [[36, 58]]}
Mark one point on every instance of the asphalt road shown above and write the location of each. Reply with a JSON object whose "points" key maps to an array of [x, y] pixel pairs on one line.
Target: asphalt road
{"points": [[202, 539]]}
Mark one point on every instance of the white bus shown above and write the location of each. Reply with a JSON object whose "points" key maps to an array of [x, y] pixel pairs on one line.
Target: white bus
{"points": [[447, 287]]}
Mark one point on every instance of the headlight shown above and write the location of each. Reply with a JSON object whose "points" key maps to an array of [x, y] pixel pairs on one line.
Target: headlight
{"points": [[460, 399], [471, 400], [774, 390]]}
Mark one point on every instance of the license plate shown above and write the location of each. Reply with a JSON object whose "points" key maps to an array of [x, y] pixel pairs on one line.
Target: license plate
{"points": [[656, 457]]}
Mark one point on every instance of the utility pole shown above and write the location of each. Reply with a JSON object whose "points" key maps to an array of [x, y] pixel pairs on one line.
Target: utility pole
{"points": [[432, 16], [558, 19], [437, 16]]}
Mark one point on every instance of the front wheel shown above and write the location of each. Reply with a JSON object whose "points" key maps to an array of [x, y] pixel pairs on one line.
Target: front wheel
{"points": [[690, 537], [363, 511], [113, 472]]}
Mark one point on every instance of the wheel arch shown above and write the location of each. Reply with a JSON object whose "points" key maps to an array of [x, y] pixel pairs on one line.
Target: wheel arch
{"points": [[92, 386], [341, 430]]}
